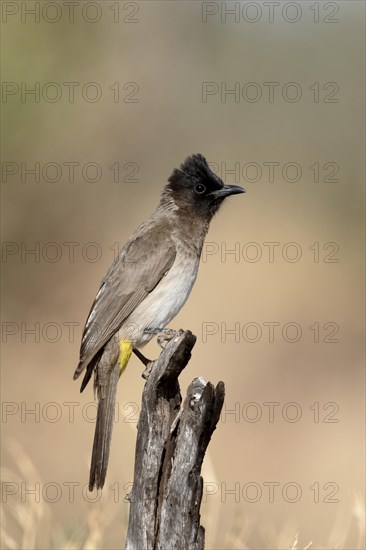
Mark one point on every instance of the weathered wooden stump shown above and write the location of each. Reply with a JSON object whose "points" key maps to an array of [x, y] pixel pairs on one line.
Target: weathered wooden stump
{"points": [[171, 443]]}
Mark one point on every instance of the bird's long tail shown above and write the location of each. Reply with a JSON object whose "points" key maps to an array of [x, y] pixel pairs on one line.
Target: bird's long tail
{"points": [[108, 371]]}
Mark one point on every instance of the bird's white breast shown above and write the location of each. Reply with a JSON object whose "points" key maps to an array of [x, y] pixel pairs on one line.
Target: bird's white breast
{"points": [[165, 301]]}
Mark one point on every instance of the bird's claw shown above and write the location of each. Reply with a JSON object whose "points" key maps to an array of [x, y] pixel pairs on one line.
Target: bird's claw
{"points": [[165, 336], [147, 370]]}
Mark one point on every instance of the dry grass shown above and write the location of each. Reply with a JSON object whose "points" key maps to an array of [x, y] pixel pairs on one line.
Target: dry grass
{"points": [[29, 525]]}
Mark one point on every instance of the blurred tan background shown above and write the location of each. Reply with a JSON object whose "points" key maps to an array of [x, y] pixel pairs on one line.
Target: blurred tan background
{"points": [[297, 399]]}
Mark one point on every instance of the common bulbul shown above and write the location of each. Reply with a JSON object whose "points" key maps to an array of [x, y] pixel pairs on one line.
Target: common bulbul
{"points": [[145, 287]]}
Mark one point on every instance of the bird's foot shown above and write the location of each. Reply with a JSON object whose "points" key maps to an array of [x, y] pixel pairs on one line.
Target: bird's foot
{"points": [[147, 362], [148, 370], [164, 335]]}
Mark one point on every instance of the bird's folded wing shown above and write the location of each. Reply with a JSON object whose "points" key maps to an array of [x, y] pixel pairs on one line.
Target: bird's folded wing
{"points": [[134, 274]]}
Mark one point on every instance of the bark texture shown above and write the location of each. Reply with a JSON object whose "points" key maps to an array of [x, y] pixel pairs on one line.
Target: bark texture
{"points": [[171, 443]]}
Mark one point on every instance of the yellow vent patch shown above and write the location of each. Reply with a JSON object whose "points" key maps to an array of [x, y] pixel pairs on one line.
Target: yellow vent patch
{"points": [[125, 350]]}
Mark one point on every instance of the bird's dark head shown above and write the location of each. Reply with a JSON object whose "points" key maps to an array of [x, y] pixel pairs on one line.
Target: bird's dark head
{"points": [[194, 188]]}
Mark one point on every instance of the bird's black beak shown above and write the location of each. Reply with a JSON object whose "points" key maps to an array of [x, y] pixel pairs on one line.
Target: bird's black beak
{"points": [[226, 191]]}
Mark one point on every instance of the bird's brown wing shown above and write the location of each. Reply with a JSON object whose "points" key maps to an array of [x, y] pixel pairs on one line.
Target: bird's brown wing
{"points": [[136, 271]]}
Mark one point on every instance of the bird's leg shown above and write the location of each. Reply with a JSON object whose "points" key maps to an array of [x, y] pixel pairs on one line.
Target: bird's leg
{"points": [[164, 335], [142, 357], [147, 362], [158, 330]]}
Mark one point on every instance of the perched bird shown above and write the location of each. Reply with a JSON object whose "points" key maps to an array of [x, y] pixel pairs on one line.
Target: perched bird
{"points": [[146, 286]]}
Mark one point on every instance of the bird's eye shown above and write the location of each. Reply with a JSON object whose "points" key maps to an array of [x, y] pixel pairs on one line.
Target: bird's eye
{"points": [[200, 188]]}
